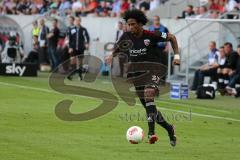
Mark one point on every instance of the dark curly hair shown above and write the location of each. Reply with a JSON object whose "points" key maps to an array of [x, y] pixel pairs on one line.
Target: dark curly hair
{"points": [[138, 15]]}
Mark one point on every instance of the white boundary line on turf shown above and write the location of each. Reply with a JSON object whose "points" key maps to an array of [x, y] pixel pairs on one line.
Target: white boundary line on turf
{"points": [[162, 108], [195, 106], [40, 89]]}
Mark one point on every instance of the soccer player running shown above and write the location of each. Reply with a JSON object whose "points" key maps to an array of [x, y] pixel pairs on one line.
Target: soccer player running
{"points": [[142, 48]]}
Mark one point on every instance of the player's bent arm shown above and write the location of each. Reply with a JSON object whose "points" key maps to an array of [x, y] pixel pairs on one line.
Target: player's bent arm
{"points": [[109, 58], [173, 41]]}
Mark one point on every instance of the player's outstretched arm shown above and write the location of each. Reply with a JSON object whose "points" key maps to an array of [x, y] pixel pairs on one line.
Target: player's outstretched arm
{"points": [[174, 44], [114, 53]]}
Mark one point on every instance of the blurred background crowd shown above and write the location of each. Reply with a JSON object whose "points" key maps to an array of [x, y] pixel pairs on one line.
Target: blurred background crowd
{"points": [[113, 8], [101, 8]]}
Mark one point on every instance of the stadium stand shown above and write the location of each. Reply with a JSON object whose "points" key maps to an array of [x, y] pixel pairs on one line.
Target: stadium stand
{"points": [[83, 7], [228, 9]]}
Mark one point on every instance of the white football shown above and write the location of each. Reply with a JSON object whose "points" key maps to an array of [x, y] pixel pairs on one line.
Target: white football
{"points": [[135, 135]]}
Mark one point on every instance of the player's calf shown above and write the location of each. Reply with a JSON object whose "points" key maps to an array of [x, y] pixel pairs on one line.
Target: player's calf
{"points": [[172, 136]]}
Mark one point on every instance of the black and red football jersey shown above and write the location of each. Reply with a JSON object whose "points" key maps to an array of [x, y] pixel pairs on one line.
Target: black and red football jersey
{"points": [[141, 49]]}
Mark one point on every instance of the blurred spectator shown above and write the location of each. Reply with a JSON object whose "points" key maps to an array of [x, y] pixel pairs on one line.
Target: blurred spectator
{"points": [[53, 10], [214, 14], [145, 5], [54, 4], [238, 4], [1, 43], [188, 12], [120, 30], [8, 4], [104, 9], [77, 6], [38, 3], [1, 11], [217, 5], [235, 77], [208, 69], [43, 43], [234, 14], [53, 38], [196, 11], [21, 7], [236, 9], [62, 52], [64, 5], [132, 4], [230, 65], [4, 37], [44, 7], [90, 7], [221, 58], [230, 5], [35, 40], [122, 57], [213, 4], [105, 68], [203, 12], [222, 6], [12, 52], [154, 4], [231, 55], [33, 56], [116, 8], [124, 6], [36, 29], [34, 10]]}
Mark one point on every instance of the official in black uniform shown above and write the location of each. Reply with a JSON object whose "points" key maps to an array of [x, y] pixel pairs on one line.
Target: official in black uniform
{"points": [[71, 26], [78, 42], [65, 55], [141, 46]]}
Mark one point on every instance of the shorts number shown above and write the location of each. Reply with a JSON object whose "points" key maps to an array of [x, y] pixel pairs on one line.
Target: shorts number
{"points": [[155, 78]]}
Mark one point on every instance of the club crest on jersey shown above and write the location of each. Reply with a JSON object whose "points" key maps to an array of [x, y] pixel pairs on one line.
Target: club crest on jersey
{"points": [[146, 42]]}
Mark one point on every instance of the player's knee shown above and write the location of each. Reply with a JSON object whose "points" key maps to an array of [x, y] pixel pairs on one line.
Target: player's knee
{"points": [[149, 94]]}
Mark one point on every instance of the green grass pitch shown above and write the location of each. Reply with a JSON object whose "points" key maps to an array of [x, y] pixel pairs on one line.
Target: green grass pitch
{"points": [[30, 130]]}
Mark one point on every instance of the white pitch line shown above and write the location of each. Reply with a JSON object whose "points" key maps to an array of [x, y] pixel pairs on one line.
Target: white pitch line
{"points": [[52, 91], [40, 89], [204, 115], [27, 87], [198, 114], [162, 108], [195, 106]]}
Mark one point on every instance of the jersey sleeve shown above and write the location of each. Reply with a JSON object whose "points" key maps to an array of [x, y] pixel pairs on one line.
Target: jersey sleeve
{"points": [[160, 36], [157, 36]]}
